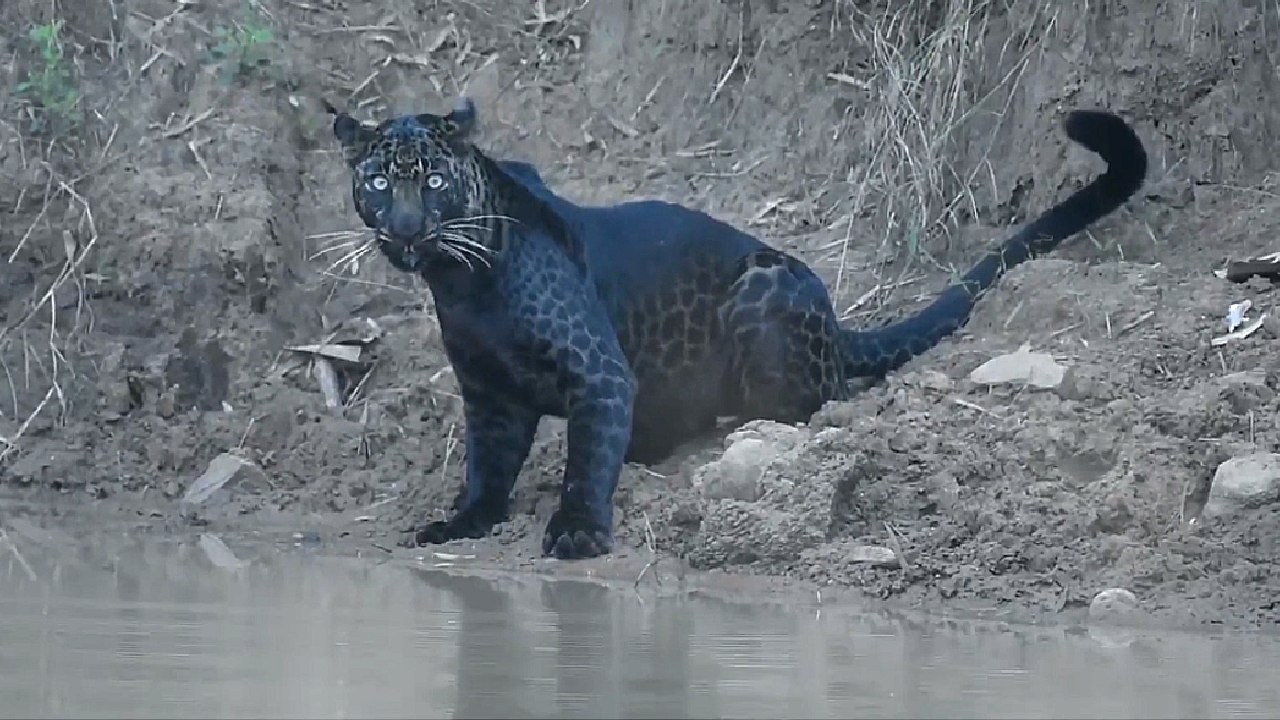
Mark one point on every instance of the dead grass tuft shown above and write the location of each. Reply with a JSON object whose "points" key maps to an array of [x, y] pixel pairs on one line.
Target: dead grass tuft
{"points": [[933, 68], [53, 225]]}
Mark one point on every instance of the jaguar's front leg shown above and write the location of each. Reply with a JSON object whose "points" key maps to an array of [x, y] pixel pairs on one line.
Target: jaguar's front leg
{"points": [[499, 434], [599, 430]]}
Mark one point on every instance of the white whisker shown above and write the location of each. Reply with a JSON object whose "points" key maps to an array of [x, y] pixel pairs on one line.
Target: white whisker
{"points": [[356, 239], [471, 242], [457, 254], [508, 218], [479, 218], [474, 248], [335, 248], [337, 234], [351, 259], [467, 246], [331, 248], [472, 253]]}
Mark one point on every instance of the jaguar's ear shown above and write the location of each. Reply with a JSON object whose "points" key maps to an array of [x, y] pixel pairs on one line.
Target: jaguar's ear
{"points": [[354, 136], [462, 120]]}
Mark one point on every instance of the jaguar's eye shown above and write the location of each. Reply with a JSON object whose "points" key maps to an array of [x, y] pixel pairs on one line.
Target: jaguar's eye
{"points": [[379, 182], [435, 181]]}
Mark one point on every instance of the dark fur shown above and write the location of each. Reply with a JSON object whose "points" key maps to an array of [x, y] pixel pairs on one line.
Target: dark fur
{"points": [[639, 322]]}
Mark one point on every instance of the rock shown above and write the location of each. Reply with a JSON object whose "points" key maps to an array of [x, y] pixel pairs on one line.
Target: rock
{"points": [[775, 529], [1242, 482], [1113, 605], [1022, 367], [873, 555], [1113, 615], [770, 497], [748, 452], [736, 474], [784, 437]]}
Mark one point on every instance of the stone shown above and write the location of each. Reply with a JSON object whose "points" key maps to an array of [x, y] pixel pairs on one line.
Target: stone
{"points": [[1113, 605], [1247, 481], [736, 475], [873, 555], [1021, 367]]}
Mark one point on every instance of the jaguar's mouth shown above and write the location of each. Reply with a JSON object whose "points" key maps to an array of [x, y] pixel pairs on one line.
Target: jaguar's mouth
{"points": [[405, 256], [435, 246], [458, 241]]}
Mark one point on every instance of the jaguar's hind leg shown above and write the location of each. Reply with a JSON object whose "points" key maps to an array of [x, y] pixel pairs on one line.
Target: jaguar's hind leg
{"points": [[782, 336]]}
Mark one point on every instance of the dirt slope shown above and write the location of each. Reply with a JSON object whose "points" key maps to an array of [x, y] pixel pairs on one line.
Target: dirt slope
{"points": [[171, 195]]}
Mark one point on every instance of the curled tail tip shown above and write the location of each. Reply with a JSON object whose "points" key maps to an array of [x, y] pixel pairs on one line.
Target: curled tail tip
{"points": [[1089, 126], [1115, 140]]}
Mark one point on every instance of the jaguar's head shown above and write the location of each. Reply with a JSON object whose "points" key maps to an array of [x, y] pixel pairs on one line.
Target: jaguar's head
{"points": [[421, 186]]}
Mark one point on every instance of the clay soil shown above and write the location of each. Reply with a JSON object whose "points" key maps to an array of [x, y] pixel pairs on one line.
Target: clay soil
{"points": [[169, 233]]}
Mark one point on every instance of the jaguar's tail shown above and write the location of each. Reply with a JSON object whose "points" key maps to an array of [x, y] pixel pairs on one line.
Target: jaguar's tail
{"points": [[875, 353]]}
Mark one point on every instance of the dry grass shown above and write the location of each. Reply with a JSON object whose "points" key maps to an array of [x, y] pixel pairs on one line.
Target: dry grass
{"points": [[53, 225], [932, 69], [57, 147], [46, 361]]}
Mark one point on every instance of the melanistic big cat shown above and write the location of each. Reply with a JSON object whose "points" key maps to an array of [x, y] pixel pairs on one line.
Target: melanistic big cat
{"points": [[640, 322]]}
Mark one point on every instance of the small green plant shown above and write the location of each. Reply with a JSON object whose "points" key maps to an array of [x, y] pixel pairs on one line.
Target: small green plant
{"points": [[244, 48], [51, 87]]}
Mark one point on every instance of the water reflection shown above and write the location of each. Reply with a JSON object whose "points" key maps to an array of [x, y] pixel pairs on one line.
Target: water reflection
{"points": [[150, 628], [494, 656]]}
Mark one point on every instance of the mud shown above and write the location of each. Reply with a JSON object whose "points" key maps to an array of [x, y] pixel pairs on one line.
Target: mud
{"points": [[168, 248]]}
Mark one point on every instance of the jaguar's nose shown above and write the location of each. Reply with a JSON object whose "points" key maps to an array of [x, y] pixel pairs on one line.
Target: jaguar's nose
{"points": [[406, 227]]}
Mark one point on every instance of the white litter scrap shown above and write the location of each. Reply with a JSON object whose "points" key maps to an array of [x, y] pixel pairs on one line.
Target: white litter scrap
{"points": [[327, 377], [1236, 313], [451, 556], [346, 343], [1239, 326], [337, 351], [220, 470], [1023, 367]]}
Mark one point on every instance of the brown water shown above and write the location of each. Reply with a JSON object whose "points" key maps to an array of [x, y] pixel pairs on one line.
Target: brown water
{"points": [[169, 628]]}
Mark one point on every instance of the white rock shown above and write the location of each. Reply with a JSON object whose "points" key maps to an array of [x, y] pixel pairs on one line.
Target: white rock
{"points": [[1021, 367], [1114, 604], [736, 474], [781, 435], [1244, 482], [873, 555]]}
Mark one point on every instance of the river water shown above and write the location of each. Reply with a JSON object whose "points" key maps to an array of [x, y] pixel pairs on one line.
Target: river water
{"points": [[172, 628]]}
